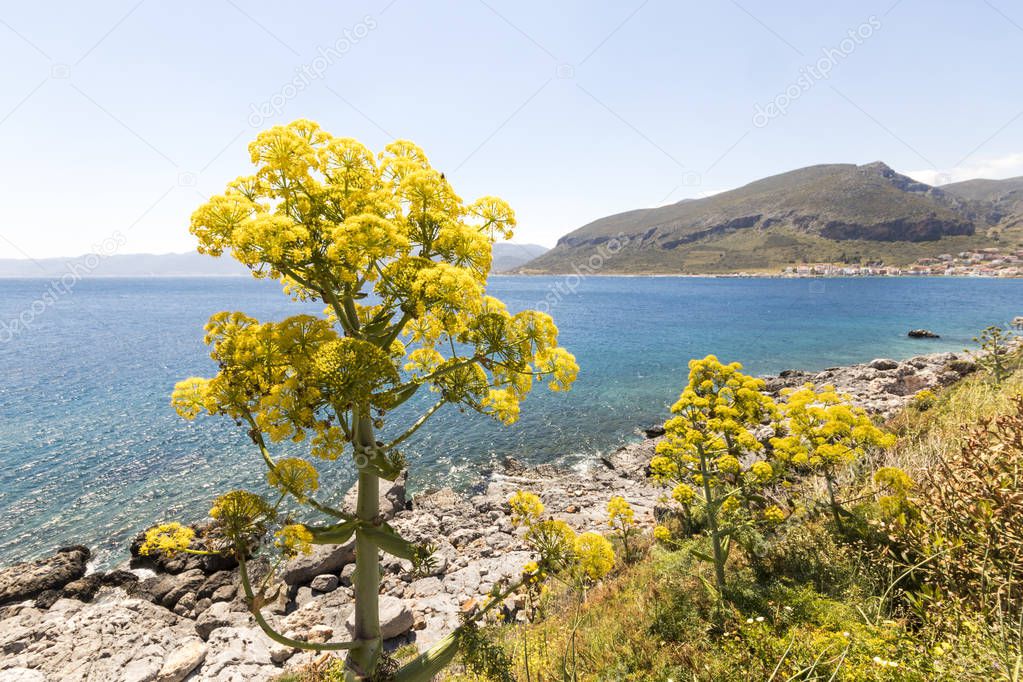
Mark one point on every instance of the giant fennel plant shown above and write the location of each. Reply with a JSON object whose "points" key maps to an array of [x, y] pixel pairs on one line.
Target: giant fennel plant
{"points": [[400, 263], [705, 455]]}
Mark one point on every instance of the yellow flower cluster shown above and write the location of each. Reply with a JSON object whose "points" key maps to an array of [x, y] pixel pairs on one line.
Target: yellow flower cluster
{"points": [[594, 555], [825, 430], [526, 508], [167, 538], [294, 539], [588, 556], [619, 513], [239, 515], [294, 476], [662, 533], [711, 428], [392, 251]]}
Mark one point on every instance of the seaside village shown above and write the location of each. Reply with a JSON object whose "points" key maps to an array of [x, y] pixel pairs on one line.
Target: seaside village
{"points": [[991, 262]]}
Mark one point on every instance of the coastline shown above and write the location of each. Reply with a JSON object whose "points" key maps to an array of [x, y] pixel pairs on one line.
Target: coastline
{"points": [[191, 608]]}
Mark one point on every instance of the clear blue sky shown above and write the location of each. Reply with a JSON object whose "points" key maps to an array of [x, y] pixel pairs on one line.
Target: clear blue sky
{"points": [[121, 116]]}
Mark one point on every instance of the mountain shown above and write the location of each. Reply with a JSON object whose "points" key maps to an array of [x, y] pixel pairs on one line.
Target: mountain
{"points": [[506, 257], [510, 256], [123, 265], [826, 213]]}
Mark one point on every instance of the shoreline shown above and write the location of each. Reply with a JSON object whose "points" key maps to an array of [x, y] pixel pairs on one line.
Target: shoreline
{"points": [[190, 606]]}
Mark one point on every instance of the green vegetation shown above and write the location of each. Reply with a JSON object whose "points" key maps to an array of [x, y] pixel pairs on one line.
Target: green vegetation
{"points": [[921, 580]]}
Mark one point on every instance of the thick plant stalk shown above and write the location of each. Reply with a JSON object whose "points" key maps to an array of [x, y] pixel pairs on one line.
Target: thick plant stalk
{"points": [[712, 523], [362, 660]]}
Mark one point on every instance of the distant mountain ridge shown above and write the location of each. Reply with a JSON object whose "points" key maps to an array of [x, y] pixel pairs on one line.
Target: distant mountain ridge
{"points": [[507, 256], [833, 212]]}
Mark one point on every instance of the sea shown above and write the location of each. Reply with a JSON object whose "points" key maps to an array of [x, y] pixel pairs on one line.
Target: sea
{"points": [[91, 451]]}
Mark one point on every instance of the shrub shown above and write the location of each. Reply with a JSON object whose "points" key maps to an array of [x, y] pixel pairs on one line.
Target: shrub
{"points": [[971, 506], [808, 553], [924, 400]]}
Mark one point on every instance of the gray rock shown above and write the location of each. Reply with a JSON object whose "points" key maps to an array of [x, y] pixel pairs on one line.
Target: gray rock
{"points": [[882, 364], [327, 582], [395, 618], [29, 579], [303, 596], [322, 559], [110, 640], [185, 658], [238, 654], [220, 615], [183, 583]]}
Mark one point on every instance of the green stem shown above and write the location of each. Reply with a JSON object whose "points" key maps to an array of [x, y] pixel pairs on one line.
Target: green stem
{"points": [[712, 524], [266, 628], [363, 659], [836, 508]]}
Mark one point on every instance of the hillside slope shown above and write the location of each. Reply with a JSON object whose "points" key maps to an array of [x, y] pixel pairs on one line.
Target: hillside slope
{"points": [[834, 212]]}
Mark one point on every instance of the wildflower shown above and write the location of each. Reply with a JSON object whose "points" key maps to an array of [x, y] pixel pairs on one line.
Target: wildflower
{"points": [[662, 534], [168, 538], [761, 471], [526, 508], [619, 513], [595, 555], [683, 494], [294, 539], [295, 476], [773, 514]]}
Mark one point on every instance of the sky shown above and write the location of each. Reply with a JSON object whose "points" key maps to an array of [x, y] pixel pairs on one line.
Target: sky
{"points": [[118, 118]]}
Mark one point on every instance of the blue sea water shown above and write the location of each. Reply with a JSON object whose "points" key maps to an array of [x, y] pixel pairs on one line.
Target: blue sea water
{"points": [[91, 452]]}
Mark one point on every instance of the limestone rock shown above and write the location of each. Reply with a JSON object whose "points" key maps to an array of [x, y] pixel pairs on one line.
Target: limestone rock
{"points": [[238, 655], [327, 582], [30, 578], [182, 661], [127, 639], [395, 618], [322, 559]]}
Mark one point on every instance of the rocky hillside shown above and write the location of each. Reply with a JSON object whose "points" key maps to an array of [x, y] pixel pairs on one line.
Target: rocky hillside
{"points": [[835, 212]]}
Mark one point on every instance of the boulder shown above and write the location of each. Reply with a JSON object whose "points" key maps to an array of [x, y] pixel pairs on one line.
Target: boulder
{"points": [[654, 431], [882, 364], [238, 653], [29, 579], [327, 582], [185, 658], [922, 334], [126, 639], [322, 559], [85, 588], [395, 618], [220, 615]]}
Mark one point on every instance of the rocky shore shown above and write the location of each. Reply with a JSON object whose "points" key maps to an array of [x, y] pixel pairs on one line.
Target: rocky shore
{"points": [[184, 618]]}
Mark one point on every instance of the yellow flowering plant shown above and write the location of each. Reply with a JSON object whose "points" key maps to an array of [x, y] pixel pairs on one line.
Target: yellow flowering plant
{"points": [[825, 433], [709, 442], [622, 519], [581, 559], [400, 263]]}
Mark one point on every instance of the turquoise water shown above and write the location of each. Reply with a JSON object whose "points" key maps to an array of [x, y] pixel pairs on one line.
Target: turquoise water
{"points": [[90, 450]]}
